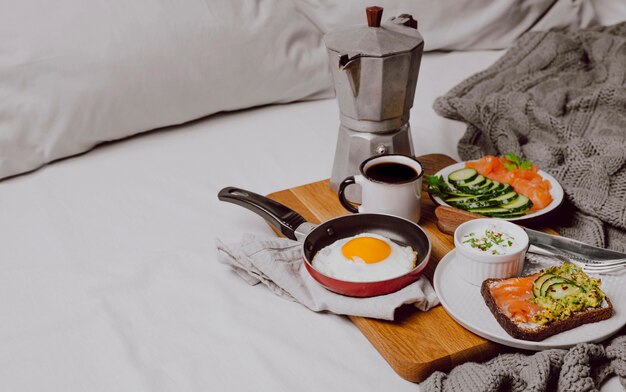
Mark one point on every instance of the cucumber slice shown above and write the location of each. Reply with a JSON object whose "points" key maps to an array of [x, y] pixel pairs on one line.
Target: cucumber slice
{"points": [[445, 191], [484, 193], [563, 289], [482, 197], [484, 188], [464, 197], [506, 198], [508, 216], [472, 204], [539, 281], [497, 190], [521, 204], [453, 192], [470, 186], [459, 199], [494, 186], [462, 176], [489, 211], [458, 195], [549, 282], [507, 188]]}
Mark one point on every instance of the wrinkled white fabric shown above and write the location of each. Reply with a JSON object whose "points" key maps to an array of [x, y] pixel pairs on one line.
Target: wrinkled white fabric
{"points": [[462, 25], [277, 263], [109, 279], [77, 73]]}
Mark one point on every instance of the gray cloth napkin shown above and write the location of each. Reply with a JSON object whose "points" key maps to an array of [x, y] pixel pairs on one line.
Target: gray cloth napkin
{"points": [[581, 368], [557, 98], [278, 264]]}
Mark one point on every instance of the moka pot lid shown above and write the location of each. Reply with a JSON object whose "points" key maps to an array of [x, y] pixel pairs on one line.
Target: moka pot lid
{"points": [[398, 35]]}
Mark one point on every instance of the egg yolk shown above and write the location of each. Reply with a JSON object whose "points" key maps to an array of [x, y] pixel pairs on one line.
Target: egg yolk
{"points": [[370, 250]]}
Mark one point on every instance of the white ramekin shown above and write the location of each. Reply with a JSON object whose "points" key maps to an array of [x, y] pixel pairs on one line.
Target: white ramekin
{"points": [[477, 267]]}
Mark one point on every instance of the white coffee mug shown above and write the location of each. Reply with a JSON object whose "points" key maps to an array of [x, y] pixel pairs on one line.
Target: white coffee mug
{"points": [[390, 184]]}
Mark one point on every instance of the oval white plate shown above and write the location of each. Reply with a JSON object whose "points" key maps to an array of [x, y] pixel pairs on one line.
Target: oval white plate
{"points": [[556, 192], [464, 304]]}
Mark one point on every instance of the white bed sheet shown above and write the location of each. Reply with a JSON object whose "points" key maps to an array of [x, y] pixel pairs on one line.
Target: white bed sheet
{"points": [[109, 276]]}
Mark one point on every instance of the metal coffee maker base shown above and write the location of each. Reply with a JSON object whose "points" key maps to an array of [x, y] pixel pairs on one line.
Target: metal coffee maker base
{"points": [[354, 147]]}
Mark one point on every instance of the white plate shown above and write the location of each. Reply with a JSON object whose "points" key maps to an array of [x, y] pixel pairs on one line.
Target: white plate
{"points": [[556, 192], [464, 304]]}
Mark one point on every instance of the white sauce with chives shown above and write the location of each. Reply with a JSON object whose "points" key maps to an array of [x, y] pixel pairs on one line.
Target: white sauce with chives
{"points": [[490, 241]]}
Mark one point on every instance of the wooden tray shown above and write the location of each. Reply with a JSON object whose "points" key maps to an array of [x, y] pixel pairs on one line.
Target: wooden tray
{"points": [[416, 343]]}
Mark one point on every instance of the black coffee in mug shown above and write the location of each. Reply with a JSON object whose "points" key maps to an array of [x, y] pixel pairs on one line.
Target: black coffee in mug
{"points": [[391, 173], [389, 184]]}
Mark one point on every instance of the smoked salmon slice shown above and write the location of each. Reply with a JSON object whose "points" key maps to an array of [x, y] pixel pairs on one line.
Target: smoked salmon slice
{"points": [[512, 296], [527, 182]]}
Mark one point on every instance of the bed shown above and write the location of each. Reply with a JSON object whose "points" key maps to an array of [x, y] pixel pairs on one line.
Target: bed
{"points": [[110, 280]]}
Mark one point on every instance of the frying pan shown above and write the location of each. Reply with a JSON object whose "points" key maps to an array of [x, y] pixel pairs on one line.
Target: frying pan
{"points": [[316, 237]]}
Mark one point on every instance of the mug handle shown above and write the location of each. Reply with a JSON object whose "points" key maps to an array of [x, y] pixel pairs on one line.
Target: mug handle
{"points": [[342, 194]]}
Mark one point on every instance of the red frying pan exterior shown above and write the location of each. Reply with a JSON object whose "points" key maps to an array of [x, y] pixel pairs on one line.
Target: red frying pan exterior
{"points": [[314, 238], [366, 289], [397, 229]]}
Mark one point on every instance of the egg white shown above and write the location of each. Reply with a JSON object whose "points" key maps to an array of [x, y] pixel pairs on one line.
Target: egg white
{"points": [[331, 262]]}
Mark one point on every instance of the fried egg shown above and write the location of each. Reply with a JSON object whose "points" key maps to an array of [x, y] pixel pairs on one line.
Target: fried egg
{"points": [[365, 257]]}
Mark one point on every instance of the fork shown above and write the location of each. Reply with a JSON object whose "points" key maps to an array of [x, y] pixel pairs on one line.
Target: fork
{"points": [[587, 265]]}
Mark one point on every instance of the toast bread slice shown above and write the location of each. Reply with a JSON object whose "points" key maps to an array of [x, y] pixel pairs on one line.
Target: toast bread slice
{"points": [[536, 332]]}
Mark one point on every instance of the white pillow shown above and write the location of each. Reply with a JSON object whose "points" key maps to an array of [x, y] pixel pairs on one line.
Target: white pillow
{"points": [[75, 73], [609, 12], [458, 24]]}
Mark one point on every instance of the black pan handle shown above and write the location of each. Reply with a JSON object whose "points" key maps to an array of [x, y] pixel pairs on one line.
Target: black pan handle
{"points": [[278, 215]]}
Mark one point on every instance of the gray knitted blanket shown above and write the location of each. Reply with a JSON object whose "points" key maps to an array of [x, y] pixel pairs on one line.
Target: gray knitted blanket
{"points": [[557, 98], [582, 368]]}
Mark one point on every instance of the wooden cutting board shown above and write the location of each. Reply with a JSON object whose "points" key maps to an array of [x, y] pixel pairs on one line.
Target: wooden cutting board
{"points": [[416, 343]]}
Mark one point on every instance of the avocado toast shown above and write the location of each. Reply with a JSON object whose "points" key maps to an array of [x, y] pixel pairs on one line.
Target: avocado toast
{"points": [[557, 299]]}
